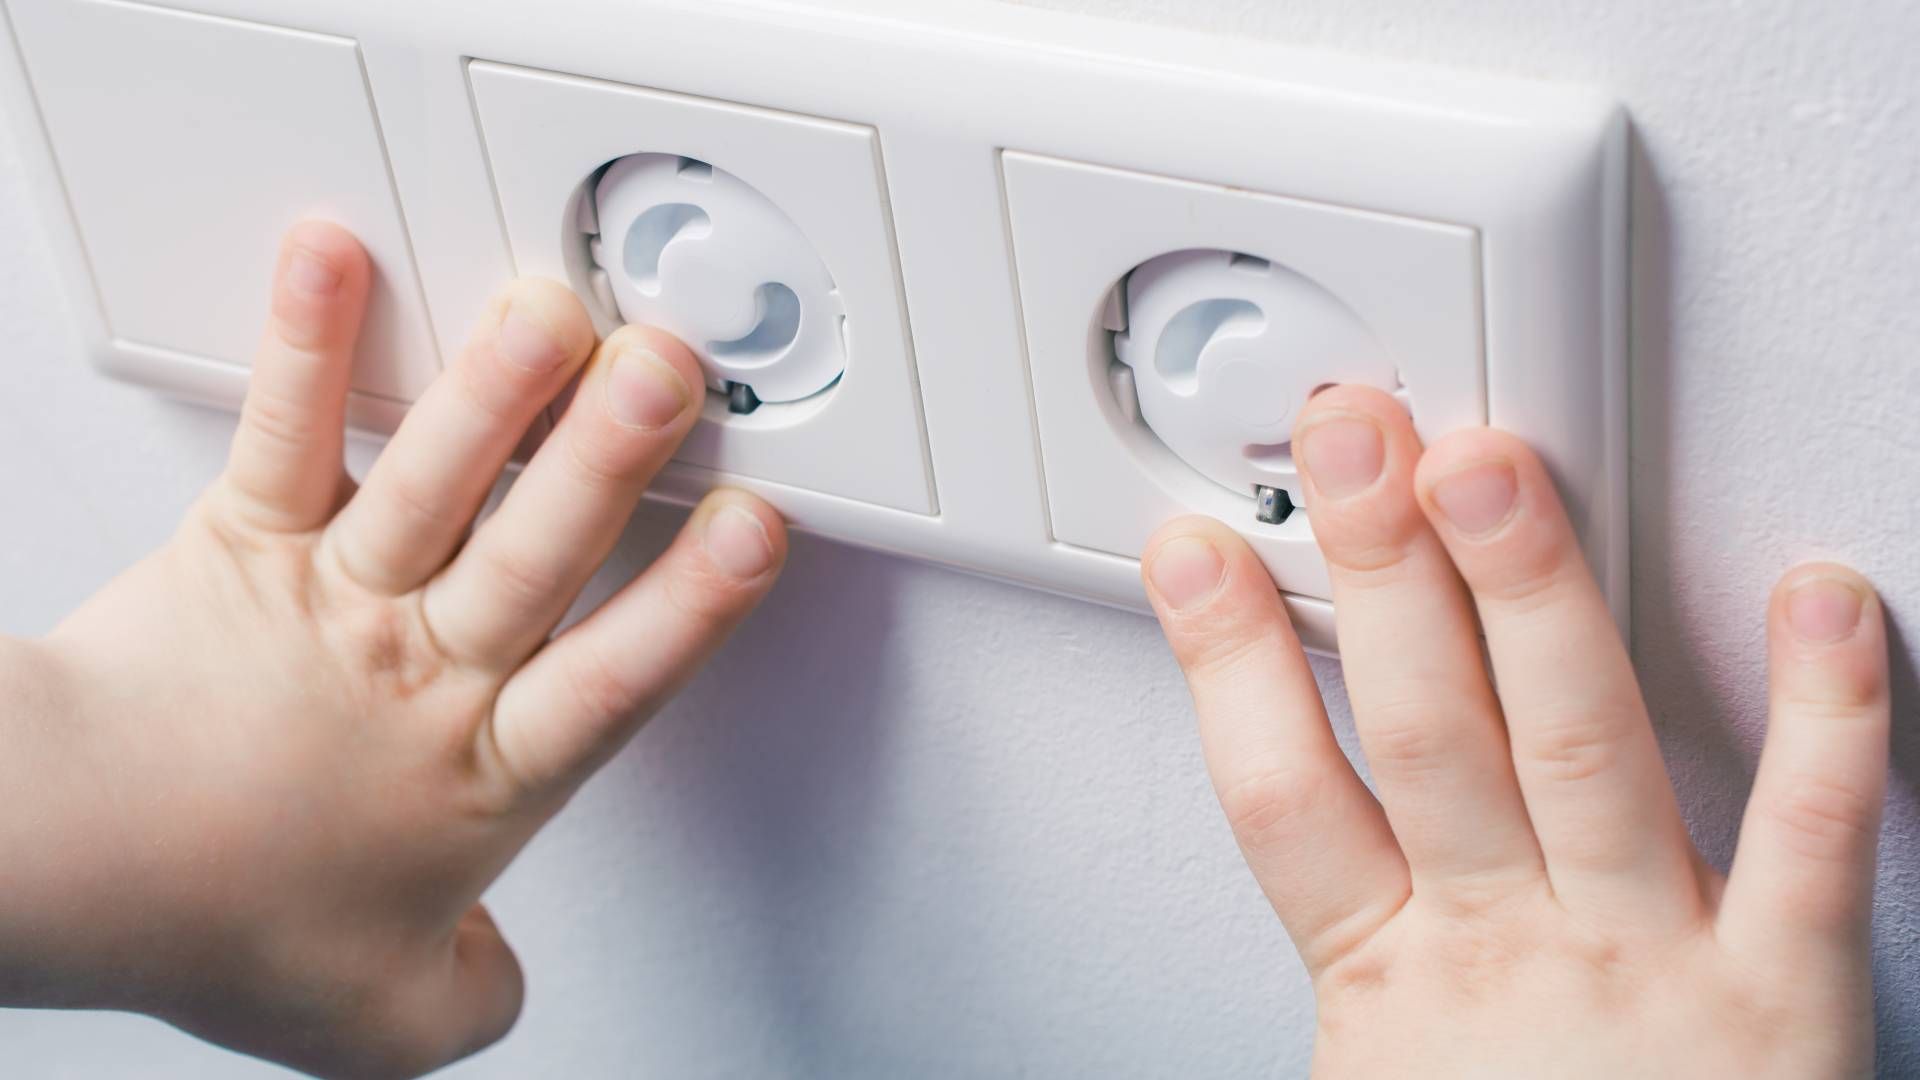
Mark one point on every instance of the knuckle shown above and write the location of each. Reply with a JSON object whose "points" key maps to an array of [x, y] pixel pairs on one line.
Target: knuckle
{"points": [[1407, 736], [1526, 570], [705, 598], [1372, 545], [422, 503], [498, 392], [1523, 583], [1272, 803], [1824, 820], [1488, 893], [305, 325], [604, 458], [598, 686], [387, 646], [1837, 689], [1217, 647], [279, 421], [1572, 748], [525, 582]]}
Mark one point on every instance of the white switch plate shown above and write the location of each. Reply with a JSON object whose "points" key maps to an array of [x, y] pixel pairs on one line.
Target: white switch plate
{"points": [[978, 173]]}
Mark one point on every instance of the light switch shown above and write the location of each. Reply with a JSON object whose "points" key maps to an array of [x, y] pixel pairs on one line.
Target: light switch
{"points": [[186, 144]]}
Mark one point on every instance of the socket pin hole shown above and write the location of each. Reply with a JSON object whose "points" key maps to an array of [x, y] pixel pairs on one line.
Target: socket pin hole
{"points": [[1252, 264], [1188, 334], [696, 170], [650, 234], [775, 332]]}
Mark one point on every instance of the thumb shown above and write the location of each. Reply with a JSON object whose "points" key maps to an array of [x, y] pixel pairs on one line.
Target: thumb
{"points": [[467, 1000]]}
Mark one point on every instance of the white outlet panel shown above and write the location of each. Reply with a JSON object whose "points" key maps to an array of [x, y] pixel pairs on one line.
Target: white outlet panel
{"points": [[978, 181], [861, 439]]}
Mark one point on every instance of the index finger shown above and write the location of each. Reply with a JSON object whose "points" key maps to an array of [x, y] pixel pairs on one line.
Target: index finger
{"points": [[284, 471], [1315, 838]]}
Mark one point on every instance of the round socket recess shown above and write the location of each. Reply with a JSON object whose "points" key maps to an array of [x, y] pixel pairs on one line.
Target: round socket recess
{"points": [[701, 254], [1221, 351]]}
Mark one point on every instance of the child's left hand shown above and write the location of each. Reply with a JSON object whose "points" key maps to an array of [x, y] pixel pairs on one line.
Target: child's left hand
{"points": [[258, 784]]}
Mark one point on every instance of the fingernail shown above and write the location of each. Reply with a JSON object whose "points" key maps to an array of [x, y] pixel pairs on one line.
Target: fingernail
{"points": [[527, 343], [1186, 572], [643, 391], [312, 276], [737, 543], [1823, 610], [1342, 457], [1477, 499]]}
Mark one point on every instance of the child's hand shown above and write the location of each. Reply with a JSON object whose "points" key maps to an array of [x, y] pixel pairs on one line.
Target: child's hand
{"points": [[1523, 900], [265, 775]]}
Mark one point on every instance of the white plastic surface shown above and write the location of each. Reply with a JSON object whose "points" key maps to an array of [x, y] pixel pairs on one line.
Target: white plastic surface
{"points": [[975, 178], [181, 175], [696, 251], [1222, 351], [807, 210], [1346, 295]]}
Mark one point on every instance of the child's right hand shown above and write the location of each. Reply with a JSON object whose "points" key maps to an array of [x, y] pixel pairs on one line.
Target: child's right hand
{"points": [[257, 784], [1523, 899]]}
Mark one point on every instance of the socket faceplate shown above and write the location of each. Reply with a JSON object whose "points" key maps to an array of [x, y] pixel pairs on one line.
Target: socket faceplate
{"points": [[993, 170]]}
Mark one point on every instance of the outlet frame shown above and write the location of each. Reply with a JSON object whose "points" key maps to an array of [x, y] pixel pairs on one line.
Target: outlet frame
{"points": [[1537, 169], [1070, 253], [823, 173]]}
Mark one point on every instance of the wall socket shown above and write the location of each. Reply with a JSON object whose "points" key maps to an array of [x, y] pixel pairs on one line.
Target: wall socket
{"points": [[996, 288]]}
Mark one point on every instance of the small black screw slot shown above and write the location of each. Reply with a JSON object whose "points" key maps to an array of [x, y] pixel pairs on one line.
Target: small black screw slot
{"points": [[1272, 506]]}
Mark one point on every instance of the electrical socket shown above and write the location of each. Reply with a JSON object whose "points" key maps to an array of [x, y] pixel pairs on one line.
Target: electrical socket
{"points": [[1005, 204], [773, 203]]}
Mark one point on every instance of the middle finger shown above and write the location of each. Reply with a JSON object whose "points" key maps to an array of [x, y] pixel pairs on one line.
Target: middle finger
{"points": [[505, 591], [1425, 711]]}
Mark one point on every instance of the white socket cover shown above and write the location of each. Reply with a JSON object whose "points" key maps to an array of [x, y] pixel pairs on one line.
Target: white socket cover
{"points": [[1223, 350], [698, 252]]}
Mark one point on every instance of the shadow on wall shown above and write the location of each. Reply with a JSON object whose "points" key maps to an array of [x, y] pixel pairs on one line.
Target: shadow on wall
{"points": [[791, 796], [1703, 734], [770, 766], [1896, 939]]}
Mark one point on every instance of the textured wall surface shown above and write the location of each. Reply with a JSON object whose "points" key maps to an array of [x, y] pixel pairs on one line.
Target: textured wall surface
{"points": [[917, 824]]}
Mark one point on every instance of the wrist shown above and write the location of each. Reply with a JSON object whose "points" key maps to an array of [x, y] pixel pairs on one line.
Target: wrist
{"points": [[63, 913]]}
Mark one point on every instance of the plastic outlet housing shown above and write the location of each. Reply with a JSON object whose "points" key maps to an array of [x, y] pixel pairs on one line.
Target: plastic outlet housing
{"points": [[1001, 203], [793, 202]]}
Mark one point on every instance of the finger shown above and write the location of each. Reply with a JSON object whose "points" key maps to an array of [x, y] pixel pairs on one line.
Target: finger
{"points": [[1312, 833], [1425, 712], [1802, 880], [430, 481], [1583, 748], [577, 701], [510, 585], [285, 471]]}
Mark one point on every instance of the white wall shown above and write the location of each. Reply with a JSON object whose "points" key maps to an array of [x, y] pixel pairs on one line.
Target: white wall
{"points": [[917, 824]]}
